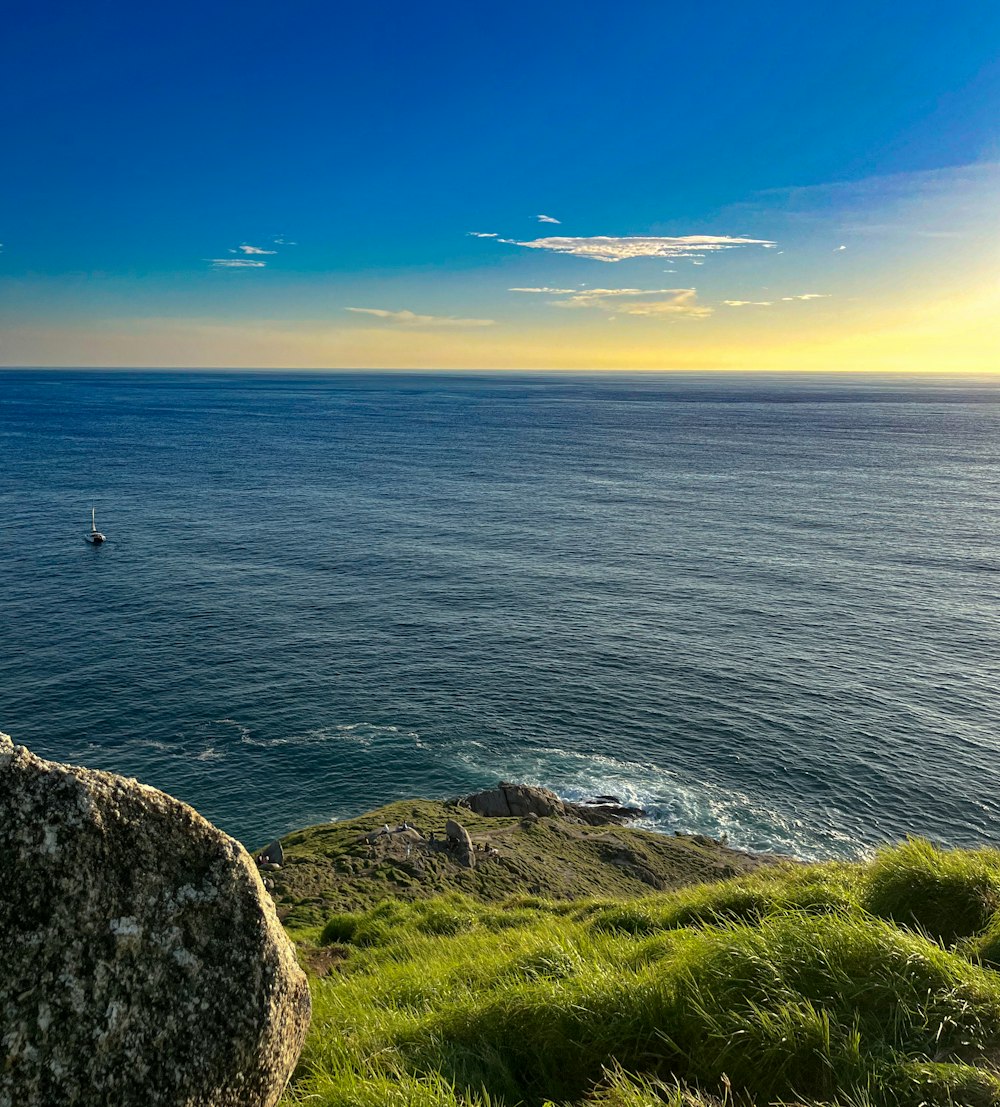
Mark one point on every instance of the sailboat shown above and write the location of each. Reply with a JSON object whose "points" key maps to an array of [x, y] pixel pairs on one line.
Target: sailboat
{"points": [[95, 537]]}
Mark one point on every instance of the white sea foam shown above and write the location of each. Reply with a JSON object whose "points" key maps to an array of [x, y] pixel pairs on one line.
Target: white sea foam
{"points": [[244, 731], [672, 801], [365, 735]]}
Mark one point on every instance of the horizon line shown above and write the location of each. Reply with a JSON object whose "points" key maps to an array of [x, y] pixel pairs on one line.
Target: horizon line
{"points": [[444, 370]]}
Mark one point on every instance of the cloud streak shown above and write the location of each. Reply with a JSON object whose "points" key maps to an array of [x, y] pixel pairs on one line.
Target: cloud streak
{"points": [[657, 302], [235, 263], [547, 219], [244, 253], [611, 249], [411, 319], [784, 299], [547, 291]]}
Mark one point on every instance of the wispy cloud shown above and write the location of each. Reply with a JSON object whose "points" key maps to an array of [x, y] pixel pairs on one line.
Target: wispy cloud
{"points": [[809, 296], [547, 219], [235, 263], [411, 319], [748, 303], [483, 234], [244, 252], [839, 248], [610, 249], [628, 301], [547, 291], [583, 293]]}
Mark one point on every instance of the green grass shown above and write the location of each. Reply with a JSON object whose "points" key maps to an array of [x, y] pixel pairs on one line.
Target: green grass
{"points": [[850, 985], [950, 895]]}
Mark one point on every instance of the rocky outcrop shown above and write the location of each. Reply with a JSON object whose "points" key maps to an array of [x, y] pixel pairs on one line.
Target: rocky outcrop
{"points": [[460, 842], [273, 855], [144, 965], [521, 800], [514, 800]]}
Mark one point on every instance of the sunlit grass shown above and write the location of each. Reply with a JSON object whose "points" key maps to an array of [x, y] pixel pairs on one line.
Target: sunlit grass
{"points": [[837, 984]]}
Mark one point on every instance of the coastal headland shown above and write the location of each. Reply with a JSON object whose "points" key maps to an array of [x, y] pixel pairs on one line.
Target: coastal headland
{"points": [[560, 956], [549, 848]]}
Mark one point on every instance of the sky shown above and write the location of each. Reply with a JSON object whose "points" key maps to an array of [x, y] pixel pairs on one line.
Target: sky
{"points": [[626, 186]]}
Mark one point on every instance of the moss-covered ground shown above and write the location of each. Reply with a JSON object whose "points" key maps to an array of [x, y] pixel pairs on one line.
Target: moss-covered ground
{"points": [[336, 867], [853, 984]]}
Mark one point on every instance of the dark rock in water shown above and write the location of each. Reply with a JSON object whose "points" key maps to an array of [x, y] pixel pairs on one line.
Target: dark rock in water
{"points": [[461, 842], [521, 800], [598, 812], [144, 965]]}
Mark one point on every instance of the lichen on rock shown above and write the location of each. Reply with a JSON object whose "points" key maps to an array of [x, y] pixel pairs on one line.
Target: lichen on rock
{"points": [[143, 961]]}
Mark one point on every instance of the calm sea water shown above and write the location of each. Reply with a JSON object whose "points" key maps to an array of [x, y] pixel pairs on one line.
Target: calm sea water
{"points": [[765, 606]]}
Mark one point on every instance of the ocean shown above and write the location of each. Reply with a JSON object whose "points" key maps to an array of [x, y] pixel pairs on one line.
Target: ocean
{"points": [[756, 605]]}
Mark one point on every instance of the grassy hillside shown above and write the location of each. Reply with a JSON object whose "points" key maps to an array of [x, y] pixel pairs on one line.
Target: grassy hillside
{"points": [[844, 984], [336, 867]]}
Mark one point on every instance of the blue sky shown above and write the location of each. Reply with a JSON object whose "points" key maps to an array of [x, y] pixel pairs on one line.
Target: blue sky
{"points": [[360, 147]]}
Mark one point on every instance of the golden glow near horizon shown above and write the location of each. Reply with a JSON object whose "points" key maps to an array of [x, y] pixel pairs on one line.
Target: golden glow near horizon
{"points": [[945, 334], [897, 274]]}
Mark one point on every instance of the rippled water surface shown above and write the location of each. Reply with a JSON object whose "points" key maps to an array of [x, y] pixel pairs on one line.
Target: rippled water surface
{"points": [[761, 606]]}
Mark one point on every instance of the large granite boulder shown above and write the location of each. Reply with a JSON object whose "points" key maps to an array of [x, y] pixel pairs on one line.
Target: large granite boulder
{"points": [[143, 963]]}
